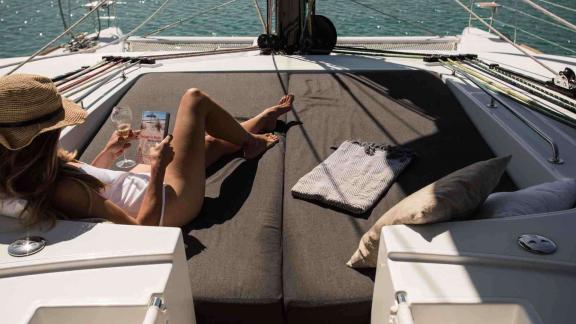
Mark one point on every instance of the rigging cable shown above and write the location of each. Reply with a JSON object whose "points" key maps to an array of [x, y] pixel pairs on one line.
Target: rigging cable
{"points": [[505, 38], [536, 36], [551, 15], [146, 20], [62, 17], [101, 3], [189, 18], [558, 5], [413, 24], [516, 11], [33, 58], [257, 7]]}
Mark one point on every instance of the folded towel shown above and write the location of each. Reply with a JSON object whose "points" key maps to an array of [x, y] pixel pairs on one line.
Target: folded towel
{"points": [[354, 176]]}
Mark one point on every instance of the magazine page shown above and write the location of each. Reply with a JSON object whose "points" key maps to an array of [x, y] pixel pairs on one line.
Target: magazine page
{"points": [[153, 129]]}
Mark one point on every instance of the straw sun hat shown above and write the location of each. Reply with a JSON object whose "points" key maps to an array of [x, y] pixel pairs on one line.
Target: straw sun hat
{"points": [[31, 105]]}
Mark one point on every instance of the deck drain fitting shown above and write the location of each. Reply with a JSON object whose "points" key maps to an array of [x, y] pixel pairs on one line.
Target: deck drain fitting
{"points": [[26, 246], [537, 244]]}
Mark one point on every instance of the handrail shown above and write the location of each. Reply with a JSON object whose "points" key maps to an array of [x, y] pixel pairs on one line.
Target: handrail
{"points": [[555, 159]]}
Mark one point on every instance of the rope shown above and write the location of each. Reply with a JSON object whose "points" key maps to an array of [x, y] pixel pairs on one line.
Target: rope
{"points": [[90, 82], [257, 7], [58, 37], [189, 18], [395, 17], [536, 18], [551, 15], [79, 74], [558, 5], [373, 52], [529, 87], [269, 9], [504, 37], [192, 54], [98, 84], [527, 101], [89, 76], [536, 36], [62, 17]]}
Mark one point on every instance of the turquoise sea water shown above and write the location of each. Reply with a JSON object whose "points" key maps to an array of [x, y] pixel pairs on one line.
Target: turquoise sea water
{"points": [[26, 25]]}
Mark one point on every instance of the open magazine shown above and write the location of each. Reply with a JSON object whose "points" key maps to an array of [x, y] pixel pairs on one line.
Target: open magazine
{"points": [[154, 128]]}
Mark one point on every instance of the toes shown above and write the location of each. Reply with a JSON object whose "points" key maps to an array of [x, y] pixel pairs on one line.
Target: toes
{"points": [[271, 137]]}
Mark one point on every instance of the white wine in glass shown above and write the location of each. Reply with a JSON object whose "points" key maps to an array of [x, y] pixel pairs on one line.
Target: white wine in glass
{"points": [[122, 117]]}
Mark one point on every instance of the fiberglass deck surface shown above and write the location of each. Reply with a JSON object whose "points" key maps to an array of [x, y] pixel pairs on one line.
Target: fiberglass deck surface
{"points": [[256, 254]]}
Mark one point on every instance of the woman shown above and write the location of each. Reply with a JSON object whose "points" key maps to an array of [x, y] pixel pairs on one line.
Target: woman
{"points": [[46, 181]]}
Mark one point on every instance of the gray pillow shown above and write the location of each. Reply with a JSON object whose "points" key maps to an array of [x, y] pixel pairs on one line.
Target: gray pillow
{"points": [[456, 196], [543, 198]]}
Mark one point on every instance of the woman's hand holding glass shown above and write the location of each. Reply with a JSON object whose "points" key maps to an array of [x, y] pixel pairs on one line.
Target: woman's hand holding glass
{"points": [[121, 116], [117, 144]]}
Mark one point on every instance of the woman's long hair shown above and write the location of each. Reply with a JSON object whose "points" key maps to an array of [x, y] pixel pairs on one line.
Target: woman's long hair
{"points": [[31, 173]]}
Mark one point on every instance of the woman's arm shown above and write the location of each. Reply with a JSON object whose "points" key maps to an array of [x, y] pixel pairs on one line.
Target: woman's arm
{"points": [[150, 212], [93, 205], [88, 205]]}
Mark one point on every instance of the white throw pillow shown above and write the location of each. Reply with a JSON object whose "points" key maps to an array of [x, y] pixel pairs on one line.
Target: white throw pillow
{"points": [[453, 197], [542, 198]]}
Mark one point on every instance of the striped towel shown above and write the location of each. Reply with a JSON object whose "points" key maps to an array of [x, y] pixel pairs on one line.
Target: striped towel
{"points": [[353, 177]]}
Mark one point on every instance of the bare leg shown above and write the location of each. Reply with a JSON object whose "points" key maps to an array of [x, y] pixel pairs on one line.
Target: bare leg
{"points": [[263, 122], [185, 175]]}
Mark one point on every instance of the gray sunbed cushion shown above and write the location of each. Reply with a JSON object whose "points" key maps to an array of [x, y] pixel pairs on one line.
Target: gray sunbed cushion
{"points": [[409, 108], [234, 246]]}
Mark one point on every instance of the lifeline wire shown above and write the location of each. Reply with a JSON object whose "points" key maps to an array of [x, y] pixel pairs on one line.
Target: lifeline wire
{"points": [[504, 37], [100, 4]]}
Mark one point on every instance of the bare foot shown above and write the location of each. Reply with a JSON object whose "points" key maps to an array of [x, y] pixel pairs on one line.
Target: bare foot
{"points": [[259, 144], [270, 115]]}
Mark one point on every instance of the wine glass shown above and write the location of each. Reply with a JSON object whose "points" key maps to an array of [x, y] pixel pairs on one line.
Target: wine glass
{"points": [[122, 117]]}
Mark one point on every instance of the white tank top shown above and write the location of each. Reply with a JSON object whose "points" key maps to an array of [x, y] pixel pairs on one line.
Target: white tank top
{"points": [[125, 189]]}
